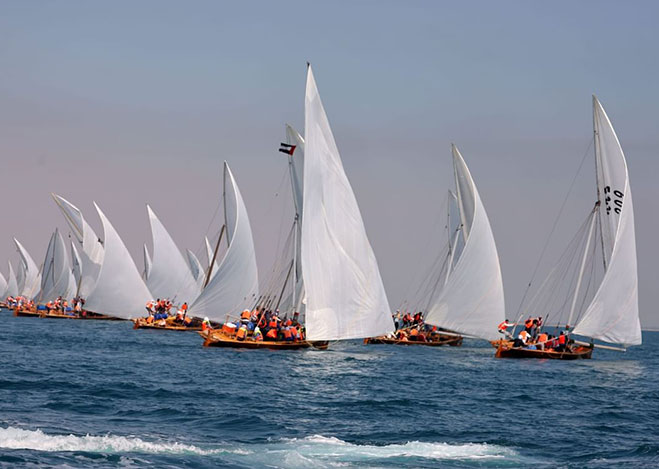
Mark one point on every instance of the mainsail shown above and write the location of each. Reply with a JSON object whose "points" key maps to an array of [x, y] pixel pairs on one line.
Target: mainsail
{"points": [[234, 286], [12, 286], [57, 278], [31, 276], [612, 315], [471, 300], [169, 276], [345, 297], [91, 252], [120, 290]]}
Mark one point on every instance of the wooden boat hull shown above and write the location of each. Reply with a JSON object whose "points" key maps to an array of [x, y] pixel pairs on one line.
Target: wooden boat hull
{"points": [[453, 341], [141, 324], [219, 339], [52, 314], [577, 353]]}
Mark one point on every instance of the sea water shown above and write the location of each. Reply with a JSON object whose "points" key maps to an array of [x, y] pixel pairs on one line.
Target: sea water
{"points": [[100, 394]]}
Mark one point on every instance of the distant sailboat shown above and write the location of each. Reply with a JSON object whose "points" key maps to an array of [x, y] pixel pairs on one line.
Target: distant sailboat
{"points": [[30, 273], [3, 290], [344, 295], [169, 276], [57, 279], [611, 315], [467, 288]]}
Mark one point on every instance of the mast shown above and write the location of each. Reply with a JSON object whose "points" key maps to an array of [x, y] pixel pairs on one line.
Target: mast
{"points": [[596, 150], [464, 229], [583, 263]]}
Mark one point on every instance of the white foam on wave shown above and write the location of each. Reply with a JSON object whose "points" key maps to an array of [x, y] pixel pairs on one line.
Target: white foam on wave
{"points": [[312, 451], [328, 447], [18, 438]]}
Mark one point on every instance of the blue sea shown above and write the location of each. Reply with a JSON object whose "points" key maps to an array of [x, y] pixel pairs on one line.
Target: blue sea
{"points": [[100, 394]]}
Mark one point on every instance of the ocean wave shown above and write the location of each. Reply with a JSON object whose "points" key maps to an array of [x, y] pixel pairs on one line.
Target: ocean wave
{"points": [[322, 446], [18, 438], [316, 450]]}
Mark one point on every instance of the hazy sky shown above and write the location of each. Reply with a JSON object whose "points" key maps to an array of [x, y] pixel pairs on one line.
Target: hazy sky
{"points": [[133, 102]]}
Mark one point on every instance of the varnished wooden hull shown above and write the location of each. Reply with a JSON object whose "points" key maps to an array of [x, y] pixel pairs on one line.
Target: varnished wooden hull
{"points": [[141, 324], [577, 353], [442, 340], [219, 339], [52, 314]]}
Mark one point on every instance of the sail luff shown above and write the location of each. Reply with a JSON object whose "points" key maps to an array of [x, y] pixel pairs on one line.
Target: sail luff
{"points": [[12, 285]]}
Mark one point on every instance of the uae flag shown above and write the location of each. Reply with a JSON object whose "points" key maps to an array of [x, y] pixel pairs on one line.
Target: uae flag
{"points": [[286, 148]]}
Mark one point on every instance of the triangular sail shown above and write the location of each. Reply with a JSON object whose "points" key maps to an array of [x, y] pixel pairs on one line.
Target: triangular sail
{"points": [[472, 300], [120, 291], [76, 264], [612, 315], [12, 285], [3, 287], [169, 276], [57, 278], [91, 252], [234, 286], [345, 297], [196, 268], [147, 262], [209, 257], [31, 277]]}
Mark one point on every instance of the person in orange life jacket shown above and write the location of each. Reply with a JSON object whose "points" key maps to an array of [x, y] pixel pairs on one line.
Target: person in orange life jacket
{"points": [[562, 342], [522, 339], [542, 341], [286, 332], [206, 325], [242, 332], [271, 334]]}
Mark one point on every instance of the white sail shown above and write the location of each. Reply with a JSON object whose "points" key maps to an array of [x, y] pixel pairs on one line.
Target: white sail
{"points": [[209, 257], [91, 252], [170, 275], [612, 315], [345, 297], [76, 265], [235, 286], [196, 268], [20, 277], [3, 287], [147, 263], [120, 290], [56, 278], [12, 286], [471, 302], [32, 276]]}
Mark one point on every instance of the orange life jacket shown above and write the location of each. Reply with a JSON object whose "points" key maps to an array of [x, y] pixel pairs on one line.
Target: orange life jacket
{"points": [[272, 324], [414, 332], [542, 337], [287, 334], [503, 326], [561, 339], [204, 326], [528, 323], [272, 334], [245, 315], [241, 334]]}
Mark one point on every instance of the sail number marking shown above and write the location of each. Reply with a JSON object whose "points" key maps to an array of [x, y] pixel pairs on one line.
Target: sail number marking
{"points": [[613, 200]]}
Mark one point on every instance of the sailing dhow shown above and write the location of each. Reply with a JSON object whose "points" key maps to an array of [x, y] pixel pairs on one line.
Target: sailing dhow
{"points": [[344, 296], [611, 314]]}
